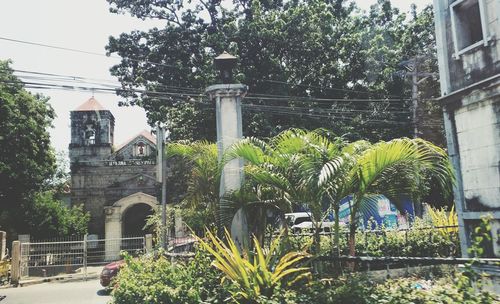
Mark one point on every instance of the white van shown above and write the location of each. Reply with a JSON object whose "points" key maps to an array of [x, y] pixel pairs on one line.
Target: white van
{"points": [[296, 218]]}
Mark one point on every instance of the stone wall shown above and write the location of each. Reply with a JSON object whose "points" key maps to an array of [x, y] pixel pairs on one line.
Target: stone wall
{"points": [[96, 186]]}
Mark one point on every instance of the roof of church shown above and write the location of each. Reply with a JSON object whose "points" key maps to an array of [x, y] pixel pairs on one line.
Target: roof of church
{"points": [[143, 133], [91, 105]]}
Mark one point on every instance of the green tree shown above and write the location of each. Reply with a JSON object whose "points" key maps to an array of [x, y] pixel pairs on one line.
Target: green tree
{"points": [[27, 161], [201, 200], [310, 49], [289, 166], [48, 217], [392, 168], [28, 171]]}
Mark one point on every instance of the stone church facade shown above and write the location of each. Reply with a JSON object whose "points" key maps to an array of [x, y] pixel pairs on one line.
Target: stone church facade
{"points": [[116, 184]]}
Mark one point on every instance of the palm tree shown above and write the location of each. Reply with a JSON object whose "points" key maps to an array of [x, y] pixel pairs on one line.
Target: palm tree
{"points": [[309, 168], [392, 168], [289, 166], [204, 177]]}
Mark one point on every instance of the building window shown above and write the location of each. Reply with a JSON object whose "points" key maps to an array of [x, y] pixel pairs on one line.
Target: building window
{"points": [[468, 22]]}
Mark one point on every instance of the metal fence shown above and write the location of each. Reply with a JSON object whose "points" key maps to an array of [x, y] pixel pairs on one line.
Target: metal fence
{"points": [[49, 258], [441, 241]]}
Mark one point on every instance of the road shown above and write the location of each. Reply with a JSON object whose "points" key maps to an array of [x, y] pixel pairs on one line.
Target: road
{"points": [[89, 292]]}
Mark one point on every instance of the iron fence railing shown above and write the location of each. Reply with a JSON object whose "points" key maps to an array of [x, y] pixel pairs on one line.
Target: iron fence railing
{"points": [[439, 241], [48, 258], [331, 265]]}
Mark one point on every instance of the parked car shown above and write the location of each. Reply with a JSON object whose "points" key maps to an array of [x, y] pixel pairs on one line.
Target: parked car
{"points": [[296, 218], [308, 227], [110, 271]]}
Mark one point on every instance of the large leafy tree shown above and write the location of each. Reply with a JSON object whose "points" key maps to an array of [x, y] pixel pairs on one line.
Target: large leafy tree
{"points": [[28, 174], [307, 49], [27, 161]]}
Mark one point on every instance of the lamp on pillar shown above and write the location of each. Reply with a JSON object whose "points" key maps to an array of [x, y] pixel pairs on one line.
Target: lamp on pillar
{"points": [[225, 63], [227, 98]]}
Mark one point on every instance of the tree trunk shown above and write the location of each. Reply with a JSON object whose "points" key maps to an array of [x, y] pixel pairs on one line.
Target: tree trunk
{"points": [[352, 238], [337, 229]]}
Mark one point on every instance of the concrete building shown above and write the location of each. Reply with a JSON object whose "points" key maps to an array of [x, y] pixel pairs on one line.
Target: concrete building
{"points": [[467, 36], [117, 185]]}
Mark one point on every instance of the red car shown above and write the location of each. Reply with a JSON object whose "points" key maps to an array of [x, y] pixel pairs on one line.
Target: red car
{"points": [[110, 271]]}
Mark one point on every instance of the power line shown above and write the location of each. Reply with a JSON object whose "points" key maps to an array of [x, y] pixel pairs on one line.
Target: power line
{"points": [[329, 110], [86, 52], [315, 99], [273, 110], [254, 96], [277, 112], [326, 88]]}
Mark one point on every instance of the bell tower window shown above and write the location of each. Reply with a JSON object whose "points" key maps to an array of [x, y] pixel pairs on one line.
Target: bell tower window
{"points": [[90, 135]]}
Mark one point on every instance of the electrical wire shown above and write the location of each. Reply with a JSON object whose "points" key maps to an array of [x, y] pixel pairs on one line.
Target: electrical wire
{"points": [[88, 52], [325, 88], [178, 67]]}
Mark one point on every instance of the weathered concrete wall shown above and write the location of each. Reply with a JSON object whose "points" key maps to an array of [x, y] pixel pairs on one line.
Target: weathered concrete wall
{"points": [[478, 134], [470, 89]]}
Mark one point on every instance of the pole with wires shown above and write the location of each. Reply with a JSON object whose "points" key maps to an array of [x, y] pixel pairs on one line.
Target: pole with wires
{"points": [[162, 178]]}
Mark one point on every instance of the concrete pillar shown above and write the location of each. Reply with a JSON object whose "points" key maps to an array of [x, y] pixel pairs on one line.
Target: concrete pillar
{"points": [[229, 130], [148, 242], [113, 233], [3, 244], [15, 266]]}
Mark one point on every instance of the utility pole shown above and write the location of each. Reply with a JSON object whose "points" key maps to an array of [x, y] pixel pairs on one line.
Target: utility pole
{"points": [[162, 178], [414, 96], [412, 69]]}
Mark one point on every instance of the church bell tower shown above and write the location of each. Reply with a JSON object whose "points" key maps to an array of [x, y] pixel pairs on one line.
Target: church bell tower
{"points": [[92, 132]]}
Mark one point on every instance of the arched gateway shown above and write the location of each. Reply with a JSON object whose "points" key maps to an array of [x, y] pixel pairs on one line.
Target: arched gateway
{"points": [[115, 220]]}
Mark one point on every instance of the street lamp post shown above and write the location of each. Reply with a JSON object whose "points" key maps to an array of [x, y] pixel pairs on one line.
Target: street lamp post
{"points": [[228, 96]]}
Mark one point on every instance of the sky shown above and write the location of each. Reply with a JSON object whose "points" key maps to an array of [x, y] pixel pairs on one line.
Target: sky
{"points": [[83, 25]]}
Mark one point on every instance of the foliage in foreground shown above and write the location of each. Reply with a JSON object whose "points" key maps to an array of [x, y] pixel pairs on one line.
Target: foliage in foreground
{"points": [[258, 274], [315, 170], [421, 240], [153, 280]]}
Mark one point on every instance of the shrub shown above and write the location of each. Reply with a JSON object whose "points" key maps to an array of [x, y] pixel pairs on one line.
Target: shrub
{"points": [[419, 241], [155, 280], [415, 291], [255, 276]]}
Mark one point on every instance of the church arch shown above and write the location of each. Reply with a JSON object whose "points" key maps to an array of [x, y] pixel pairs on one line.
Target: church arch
{"points": [[115, 216]]}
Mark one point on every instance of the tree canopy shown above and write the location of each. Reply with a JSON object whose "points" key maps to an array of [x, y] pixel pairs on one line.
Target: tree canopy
{"points": [[28, 164], [297, 57]]}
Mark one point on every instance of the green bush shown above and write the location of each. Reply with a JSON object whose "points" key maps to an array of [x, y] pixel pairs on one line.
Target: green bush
{"points": [[419, 241], [154, 280], [414, 291]]}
